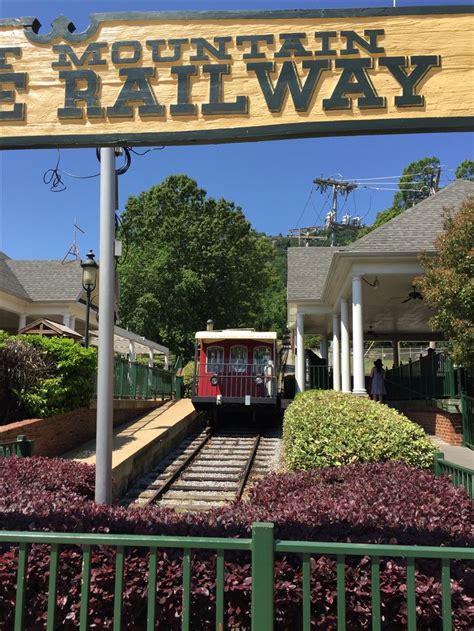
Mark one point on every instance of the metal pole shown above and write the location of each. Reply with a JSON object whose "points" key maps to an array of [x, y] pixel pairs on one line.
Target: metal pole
{"points": [[334, 216], [105, 384], [88, 313]]}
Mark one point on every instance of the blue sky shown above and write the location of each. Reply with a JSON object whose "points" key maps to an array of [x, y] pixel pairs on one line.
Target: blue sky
{"points": [[271, 181]]}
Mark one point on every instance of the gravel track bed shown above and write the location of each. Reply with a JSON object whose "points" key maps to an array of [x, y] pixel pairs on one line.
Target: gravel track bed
{"points": [[210, 479]]}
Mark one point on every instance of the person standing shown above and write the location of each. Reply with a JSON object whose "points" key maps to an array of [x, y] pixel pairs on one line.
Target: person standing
{"points": [[377, 381]]}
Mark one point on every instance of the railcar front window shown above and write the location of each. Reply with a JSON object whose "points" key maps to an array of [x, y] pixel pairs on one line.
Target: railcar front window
{"points": [[238, 359], [215, 359], [261, 356]]}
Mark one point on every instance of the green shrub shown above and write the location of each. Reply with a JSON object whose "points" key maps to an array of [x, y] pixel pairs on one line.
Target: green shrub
{"points": [[74, 366], [188, 375], [57, 374], [323, 428]]}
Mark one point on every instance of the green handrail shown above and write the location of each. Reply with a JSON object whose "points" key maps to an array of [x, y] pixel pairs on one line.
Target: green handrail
{"points": [[138, 381], [430, 377], [263, 548], [460, 476]]}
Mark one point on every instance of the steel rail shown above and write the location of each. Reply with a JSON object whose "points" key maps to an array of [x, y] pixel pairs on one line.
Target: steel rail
{"points": [[245, 474], [157, 493]]}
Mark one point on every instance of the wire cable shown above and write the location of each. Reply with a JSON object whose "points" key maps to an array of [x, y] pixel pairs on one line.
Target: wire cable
{"points": [[304, 207], [53, 177]]}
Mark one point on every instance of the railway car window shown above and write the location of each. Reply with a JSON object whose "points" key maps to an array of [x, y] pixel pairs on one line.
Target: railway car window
{"points": [[238, 359], [215, 359], [261, 356]]}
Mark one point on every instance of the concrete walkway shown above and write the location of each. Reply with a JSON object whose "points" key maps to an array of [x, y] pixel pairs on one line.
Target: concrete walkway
{"points": [[457, 455], [138, 444]]}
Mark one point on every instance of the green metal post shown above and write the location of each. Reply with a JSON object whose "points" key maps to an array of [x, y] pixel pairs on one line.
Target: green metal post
{"points": [[262, 576], [179, 387], [437, 466]]}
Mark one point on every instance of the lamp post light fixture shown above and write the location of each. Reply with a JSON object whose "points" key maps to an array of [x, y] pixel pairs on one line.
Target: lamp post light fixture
{"points": [[89, 283]]}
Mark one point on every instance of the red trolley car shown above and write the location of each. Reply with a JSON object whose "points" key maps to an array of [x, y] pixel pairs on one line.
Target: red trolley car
{"points": [[235, 367]]}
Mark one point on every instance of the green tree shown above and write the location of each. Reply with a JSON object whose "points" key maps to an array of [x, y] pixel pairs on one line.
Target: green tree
{"points": [[189, 258], [448, 284], [417, 180], [415, 184], [465, 171]]}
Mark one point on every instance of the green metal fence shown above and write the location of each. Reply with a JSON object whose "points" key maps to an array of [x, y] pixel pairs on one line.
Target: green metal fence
{"points": [[19, 447], [460, 476], [320, 377], [467, 408], [262, 547], [137, 381], [430, 377]]}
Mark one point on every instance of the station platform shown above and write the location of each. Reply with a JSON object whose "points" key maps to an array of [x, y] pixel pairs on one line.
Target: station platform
{"points": [[139, 443]]}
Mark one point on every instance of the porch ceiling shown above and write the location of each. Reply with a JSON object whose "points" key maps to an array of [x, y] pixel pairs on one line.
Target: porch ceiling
{"points": [[383, 309]]}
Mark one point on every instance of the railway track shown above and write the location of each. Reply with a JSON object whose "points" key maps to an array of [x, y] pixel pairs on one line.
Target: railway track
{"points": [[209, 469]]}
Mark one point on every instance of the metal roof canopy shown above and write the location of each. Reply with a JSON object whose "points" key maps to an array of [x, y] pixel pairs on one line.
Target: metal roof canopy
{"points": [[236, 334], [122, 339]]}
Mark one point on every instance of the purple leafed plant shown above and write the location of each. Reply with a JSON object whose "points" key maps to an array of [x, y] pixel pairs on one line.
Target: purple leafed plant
{"points": [[387, 503]]}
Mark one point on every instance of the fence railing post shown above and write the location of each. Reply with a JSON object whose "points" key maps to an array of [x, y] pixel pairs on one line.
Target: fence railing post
{"points": [[437, 465], [262, 576]]}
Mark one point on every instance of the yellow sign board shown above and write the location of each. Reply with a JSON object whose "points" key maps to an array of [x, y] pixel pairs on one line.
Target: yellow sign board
{"points": [[179, 78]]}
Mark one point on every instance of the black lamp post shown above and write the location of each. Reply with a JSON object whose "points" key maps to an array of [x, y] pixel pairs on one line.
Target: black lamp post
{"points": [[89, 282]]}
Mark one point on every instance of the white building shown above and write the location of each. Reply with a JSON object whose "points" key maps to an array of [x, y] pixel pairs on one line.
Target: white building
{"points": [[341, 293]]}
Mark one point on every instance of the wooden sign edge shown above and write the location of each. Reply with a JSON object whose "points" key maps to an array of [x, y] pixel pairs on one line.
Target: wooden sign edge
{"points": [[245, 134]]}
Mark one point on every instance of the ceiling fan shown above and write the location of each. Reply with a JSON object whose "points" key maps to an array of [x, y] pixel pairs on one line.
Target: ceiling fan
{"points": [[413, 295]]}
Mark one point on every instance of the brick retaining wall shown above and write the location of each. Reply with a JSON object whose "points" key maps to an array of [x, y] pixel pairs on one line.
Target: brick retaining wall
{"points": [[56, 435], [444, 425]]}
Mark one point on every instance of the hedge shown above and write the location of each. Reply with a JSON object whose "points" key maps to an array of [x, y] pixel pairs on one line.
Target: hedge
{"points": [[324, 428], [68, 383], [376, 503]]}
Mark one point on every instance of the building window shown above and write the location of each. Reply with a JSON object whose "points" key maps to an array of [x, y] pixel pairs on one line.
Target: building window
{"points": [[238, 359], [215, 359]]}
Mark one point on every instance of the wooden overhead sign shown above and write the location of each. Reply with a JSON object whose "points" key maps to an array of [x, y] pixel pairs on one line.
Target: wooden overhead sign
{"points": [[174, 78]]}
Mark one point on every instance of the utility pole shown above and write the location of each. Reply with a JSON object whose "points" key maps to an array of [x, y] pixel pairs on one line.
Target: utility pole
{"points": [[339, 187], [105, 369], [434, 183]]}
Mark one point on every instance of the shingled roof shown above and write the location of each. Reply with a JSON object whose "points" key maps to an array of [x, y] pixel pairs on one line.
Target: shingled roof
{"points": [[416, 228], [8, 281], [307, 271], [41, 280]]}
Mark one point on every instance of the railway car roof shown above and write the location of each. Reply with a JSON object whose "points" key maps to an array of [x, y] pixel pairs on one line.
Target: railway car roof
{"points": [[236, 334]]}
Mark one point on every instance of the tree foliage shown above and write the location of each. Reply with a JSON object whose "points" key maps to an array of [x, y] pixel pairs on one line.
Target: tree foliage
{"points": [[415, 184], [465, 171], [448, 283], [190, 257], [417, 180]]}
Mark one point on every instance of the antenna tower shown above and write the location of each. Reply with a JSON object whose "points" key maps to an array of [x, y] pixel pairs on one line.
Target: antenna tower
{"points": [[73, 250]]}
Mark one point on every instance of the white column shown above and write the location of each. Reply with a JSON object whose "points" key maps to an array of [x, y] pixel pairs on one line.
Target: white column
{"points": [[323, 346], [151, 358], [433, 345], [167, 360], [357, 337], [336, 352], [300, 356], [345, 348], [22, 321], [131, 351], [67, 319], [72, 322]]}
